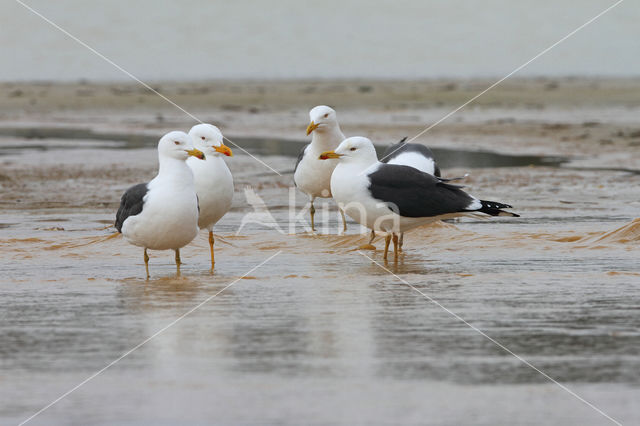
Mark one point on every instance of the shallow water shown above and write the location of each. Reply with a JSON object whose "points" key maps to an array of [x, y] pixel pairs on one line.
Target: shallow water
{"points": [[60, 138], [319, 334]]}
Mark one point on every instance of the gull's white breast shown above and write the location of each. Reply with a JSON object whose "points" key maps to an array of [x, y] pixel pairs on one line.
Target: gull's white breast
{"points": [[168, 219], [313, 176], [214, 186]]}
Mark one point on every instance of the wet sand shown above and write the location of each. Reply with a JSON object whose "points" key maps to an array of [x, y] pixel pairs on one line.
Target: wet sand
{"points": [[321, 334]]}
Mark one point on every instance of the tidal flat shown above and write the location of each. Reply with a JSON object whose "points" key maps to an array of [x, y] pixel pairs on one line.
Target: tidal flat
{"points": [[324, 333]]}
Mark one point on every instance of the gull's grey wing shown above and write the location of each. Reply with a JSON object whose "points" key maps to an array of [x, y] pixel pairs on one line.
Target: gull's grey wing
{"points": [[412, 193], [300, 155], [415, 193], [131, 203]]}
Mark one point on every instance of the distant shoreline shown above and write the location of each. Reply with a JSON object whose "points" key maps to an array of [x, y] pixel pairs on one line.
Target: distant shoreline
{"points": [[521, 116], [230, 94]]}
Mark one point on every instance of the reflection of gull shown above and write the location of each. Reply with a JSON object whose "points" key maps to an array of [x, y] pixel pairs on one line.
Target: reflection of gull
{"points": [[260, 214]]}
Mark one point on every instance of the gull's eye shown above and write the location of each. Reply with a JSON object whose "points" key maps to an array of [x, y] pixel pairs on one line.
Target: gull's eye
{"points": [[326, 115], [176, 142], [202, 138], [353, 149]]}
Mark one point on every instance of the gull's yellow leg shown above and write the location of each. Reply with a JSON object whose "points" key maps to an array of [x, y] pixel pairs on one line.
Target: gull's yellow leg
{"points": [[401, 241], [344, 220], [178, 262], [369, 246], [387, 241], [146, 262], [312, 210], [395, 247], [213, 259]]}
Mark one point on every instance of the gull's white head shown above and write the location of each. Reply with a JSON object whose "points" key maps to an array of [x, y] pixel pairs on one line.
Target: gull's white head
{"points": [[208, 139], [322, 118], [177, 145], [353, 149]]}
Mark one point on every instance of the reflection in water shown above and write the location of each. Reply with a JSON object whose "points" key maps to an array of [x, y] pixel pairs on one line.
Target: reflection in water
{"points": [[156, 291], [271, 344], [447, 158], [321, 323]]}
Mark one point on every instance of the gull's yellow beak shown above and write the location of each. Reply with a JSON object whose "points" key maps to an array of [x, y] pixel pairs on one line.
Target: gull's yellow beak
{"points": [[329, 154], [311, 127], [196, 153], [223, 149]]}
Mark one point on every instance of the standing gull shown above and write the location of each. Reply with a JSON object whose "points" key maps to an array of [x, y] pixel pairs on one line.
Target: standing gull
{"points": [[414, 155], [312, 176], [213, 180], [163, 213], [393, 198]]}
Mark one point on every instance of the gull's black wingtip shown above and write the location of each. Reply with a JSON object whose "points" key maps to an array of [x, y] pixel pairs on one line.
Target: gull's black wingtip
{"points": [[495, 208]]}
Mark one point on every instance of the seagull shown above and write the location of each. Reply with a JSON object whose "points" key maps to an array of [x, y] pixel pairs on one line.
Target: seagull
{"points": [[311, 176], [163, 214], [213, 180], [414, 155], [394, 198]]}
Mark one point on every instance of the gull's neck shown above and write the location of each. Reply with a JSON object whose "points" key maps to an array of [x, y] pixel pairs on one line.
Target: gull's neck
{"points": [[214, 159], [360, 165], [174, 169], [327, 139]]}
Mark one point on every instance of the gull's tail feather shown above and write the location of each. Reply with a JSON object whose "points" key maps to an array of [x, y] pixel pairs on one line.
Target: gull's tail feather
{"points": [[494, 208]]}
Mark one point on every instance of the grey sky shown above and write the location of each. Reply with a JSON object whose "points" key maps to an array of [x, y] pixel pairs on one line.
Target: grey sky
{"points": [[190, 40]]}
